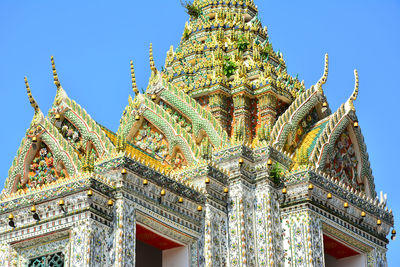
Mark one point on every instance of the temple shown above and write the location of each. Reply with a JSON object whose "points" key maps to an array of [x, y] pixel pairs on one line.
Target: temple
{"points": [[224, 160]]}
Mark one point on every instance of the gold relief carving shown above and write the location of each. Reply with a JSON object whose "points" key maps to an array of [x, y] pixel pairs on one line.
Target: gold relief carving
{"points": [[268, 101], [215, 100], [241, 101]]}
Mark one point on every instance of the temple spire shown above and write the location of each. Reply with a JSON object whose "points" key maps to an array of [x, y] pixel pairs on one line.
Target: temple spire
{"points": [[324, 77], [152, 65], [354, 95], [31, 98], [355, 91], [38, 116], [61, 94], [134, 86], [55, 76]]}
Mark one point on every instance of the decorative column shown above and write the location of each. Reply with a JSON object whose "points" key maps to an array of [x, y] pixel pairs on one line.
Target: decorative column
{"points": [[219, 108], [8, 256], [267, 109], [80, 241], [241, 226], [216, 237], [377, 257], [125, 233], [241, 128], [302, 239], [268, 227]]}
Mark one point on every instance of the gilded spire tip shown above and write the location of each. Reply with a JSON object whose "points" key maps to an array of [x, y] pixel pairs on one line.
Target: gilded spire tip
{"points": [[355, 91], [55, 76], [325, 75], [354, 95], [32, 100], [134, 86], [152, 65]]}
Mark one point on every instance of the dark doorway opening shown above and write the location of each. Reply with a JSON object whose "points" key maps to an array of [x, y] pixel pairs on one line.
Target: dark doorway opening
{"points": [[155, 250], [338, 254], [147, 255]]}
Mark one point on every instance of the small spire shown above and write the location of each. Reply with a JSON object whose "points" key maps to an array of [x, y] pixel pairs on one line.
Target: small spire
{"points": [[354, 95], [30, 96], [152, 65], [325, 75], [134, 86], [55, 76], [355, 92]]}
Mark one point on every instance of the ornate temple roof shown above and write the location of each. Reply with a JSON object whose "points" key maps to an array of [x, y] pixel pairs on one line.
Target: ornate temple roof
{"points": [[224, 85]]}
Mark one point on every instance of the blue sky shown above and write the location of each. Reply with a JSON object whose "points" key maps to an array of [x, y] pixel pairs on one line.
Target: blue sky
{"points": [[93, 42]]}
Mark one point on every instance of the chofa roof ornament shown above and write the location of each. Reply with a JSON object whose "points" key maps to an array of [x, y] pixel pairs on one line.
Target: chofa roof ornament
{"points": [[324, 77], [61, 94], [134, 86], [354, 95], [38, 117]]}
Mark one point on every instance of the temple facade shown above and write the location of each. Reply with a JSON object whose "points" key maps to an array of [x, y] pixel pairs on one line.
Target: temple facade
{"points": [[224, 160]]}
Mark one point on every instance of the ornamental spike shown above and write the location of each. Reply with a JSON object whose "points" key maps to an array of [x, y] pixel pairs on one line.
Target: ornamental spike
{"points": [[152, 65], [30, 96], [324, 77], [134, 86], [55, 76], [354, 96], [355, 91]]}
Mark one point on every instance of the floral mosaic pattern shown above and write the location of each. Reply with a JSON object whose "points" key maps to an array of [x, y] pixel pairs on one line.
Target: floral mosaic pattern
{"points": [[241, 228], [216, 237], [80, 244], [42, 170], [302, 239], [268, 230]]}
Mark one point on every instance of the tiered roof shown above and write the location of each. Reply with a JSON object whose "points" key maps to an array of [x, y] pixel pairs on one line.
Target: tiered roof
{"points": [[224, 85]]}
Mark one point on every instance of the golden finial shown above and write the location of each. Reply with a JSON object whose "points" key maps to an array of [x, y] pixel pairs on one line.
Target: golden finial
{"points": [[325, 75], [134, 86], [31, 99], [152, 65], [355, 92], [55, 76]]}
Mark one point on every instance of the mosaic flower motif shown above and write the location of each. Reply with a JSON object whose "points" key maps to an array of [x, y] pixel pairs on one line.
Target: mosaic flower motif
{"points": [[41, 170]]}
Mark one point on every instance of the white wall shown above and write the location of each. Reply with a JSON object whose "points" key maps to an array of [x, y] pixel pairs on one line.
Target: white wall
{"points": [[175, 257], [353, 261]]}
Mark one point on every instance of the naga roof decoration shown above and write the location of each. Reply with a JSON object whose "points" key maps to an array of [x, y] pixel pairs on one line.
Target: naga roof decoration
{"points": [[222, 87], [75, 124], [43, 157], [288, 122]]}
